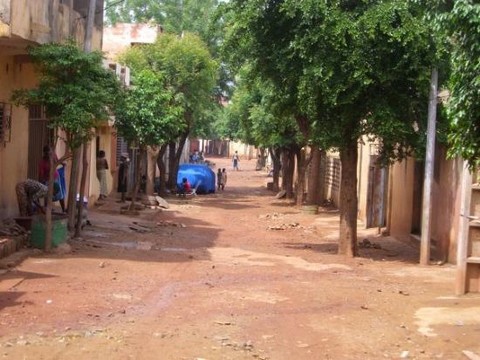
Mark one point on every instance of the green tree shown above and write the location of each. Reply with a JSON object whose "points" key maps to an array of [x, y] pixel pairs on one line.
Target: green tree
{"points": [[77, 92], [462, 26], [346, 69], [190, 72], [147, 116], [255, 117], [175, 16]]}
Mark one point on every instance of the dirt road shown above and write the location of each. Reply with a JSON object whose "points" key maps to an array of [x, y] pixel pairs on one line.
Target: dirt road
{"points": [[232, 275]]}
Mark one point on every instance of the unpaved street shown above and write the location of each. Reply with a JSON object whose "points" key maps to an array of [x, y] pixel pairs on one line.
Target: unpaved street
{"points": [[233, 275]]}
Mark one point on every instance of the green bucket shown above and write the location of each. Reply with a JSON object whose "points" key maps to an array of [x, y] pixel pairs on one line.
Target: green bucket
{"points": [[310, 209], [59, 231]]}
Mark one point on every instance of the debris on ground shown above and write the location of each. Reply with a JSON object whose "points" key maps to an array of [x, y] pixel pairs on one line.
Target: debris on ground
{"points": [[273, 216], [13, 237], [284, 226], [171, 223], [281, 194], [471, 355], [137, 229], [9, 227], [367, 244]]}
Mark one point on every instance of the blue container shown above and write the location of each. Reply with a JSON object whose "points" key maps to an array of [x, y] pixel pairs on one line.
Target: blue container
{"points": [[197, 173]]}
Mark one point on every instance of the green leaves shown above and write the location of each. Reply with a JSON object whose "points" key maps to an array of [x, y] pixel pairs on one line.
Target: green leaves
{"points": [[173, 82], [462, 26], [147, 115], [75, 88], [345, 67]]}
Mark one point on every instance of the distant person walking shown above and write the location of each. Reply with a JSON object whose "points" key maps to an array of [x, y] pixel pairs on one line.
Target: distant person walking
{"points": [[102, 167], [235, 160], [123, 176], [224, 178], [219, 179]]}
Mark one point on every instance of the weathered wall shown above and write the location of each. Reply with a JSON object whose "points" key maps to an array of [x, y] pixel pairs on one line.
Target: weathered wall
{"points": [[333, 172], [14, 154], [49, 21], [362, 179], [23, 23], [120, 37], [446, 205], [400, 207]]}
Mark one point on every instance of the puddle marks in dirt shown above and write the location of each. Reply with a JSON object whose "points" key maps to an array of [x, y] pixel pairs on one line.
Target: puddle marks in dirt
{"points": [[234, 256], [254, 295], [427, 317]]}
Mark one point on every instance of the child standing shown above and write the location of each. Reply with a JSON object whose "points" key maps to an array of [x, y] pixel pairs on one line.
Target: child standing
{"points": [[224, 178], [219, 179]]}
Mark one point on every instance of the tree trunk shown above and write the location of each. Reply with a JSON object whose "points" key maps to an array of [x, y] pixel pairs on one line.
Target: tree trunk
{"points": [[277, 165], [314, 176], [260, 159], [303, 161], [49, 205], [83, 182], [172, 180], [348, 201], [138, 176], [178, 154], [162, 186], [151, 165], [73, 188], [288, 170]]}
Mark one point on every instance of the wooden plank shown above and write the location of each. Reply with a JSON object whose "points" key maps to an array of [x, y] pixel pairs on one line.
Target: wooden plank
{"points": [[463, 230], [473, 260]]}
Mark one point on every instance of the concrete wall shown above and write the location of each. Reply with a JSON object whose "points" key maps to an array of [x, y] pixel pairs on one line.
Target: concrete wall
{"points": [[399, 214], [23, 23], [364, 152], [445, 212], [446, 205], [333, 174], [120, 37], [49, 21], [13, 154], [245, 151]]}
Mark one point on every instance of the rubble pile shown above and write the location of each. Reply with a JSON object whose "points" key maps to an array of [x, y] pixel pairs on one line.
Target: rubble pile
{"points": [[12, 237]]}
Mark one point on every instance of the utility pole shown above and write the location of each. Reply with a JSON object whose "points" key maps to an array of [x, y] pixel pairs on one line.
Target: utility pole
{"points": [[429, 161]]}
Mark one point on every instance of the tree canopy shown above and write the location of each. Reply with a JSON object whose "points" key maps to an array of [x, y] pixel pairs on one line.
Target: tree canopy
{"points": [[75, 88], [344, 69], [462, 26], [147, 114], [175, 16]]}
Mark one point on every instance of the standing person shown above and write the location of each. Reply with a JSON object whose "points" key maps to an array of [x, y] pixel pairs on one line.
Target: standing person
{"points": [[219, 179], [235, 160], [224, 178], [123, 175], [29, 193], [44, 174], [102, 167]]}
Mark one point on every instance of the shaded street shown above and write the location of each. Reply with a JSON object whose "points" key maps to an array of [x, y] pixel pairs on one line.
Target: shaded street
{"points": [[232, 275]]}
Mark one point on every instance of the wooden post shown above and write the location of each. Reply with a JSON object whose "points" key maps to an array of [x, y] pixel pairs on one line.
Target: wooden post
{"points": [[462, 239], [429, 160]]}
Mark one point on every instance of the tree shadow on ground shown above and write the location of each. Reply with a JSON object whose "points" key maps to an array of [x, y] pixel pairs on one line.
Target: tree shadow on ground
{"points": [[389, 249], [11, 280], [10, 299], [155, 236]]}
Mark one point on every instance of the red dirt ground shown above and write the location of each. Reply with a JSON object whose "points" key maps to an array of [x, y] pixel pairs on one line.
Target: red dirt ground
{"points": [[232, 275]]}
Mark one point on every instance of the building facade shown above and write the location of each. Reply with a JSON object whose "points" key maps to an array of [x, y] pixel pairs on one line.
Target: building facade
{"points": [[24, 131]]}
